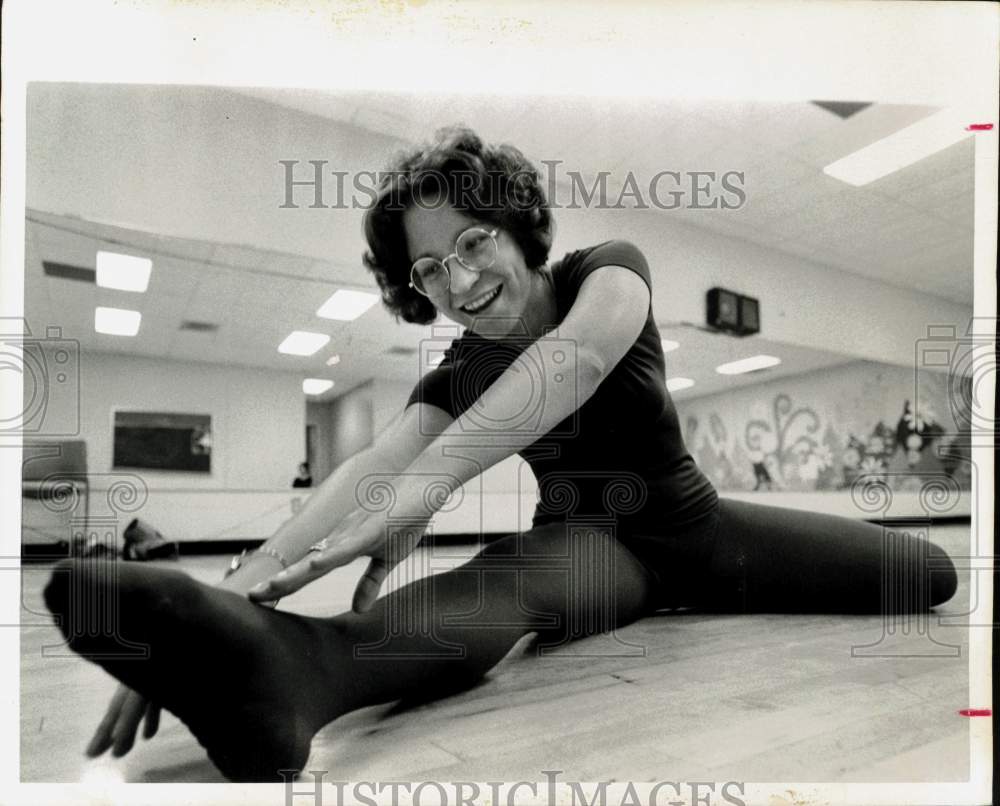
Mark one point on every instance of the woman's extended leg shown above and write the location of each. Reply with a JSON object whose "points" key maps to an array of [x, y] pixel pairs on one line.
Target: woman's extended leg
{"points": [[774, 559], [254, 685]]}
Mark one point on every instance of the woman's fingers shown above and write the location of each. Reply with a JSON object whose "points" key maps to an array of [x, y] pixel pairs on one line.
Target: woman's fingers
{"points": [[102, 738], [121, 722], [152, 723], [312, 566], [370, 584], [132, 711]]}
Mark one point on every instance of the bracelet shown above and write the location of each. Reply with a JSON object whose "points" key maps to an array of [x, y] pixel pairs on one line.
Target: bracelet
{"points": [[274, 553], [237, 562]]}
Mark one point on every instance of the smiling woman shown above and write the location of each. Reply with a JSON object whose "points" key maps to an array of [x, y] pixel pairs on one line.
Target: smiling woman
{"points": [[484, 284], [560, 363], [466, 184]]}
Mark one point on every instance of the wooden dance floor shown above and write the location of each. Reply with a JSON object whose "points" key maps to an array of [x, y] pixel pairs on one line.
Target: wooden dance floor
{"points": [[677, 696]]}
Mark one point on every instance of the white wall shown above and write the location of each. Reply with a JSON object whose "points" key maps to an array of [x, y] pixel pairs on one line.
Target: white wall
{"points": [[351, 423], [258, 432], [802, 302], [320, 416], [258, 417]]}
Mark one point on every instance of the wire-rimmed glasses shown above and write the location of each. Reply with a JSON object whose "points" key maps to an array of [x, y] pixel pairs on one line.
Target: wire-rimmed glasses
{"points": [[475, 248]]}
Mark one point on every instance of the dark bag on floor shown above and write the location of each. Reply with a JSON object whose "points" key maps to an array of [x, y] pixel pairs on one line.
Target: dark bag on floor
{"points": [[143, 542]]}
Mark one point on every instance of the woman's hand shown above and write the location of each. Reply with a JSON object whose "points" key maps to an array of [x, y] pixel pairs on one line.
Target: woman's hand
{"points": [[119, 725], [361, 534]]}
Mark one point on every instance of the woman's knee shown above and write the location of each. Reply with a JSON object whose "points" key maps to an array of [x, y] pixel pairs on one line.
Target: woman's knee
{"points": [[943, 575], [550, 540], [578, 570]]}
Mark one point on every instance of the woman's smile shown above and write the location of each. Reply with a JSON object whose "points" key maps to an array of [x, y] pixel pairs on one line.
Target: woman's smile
{"points": [[494, 301], [483, 301]]}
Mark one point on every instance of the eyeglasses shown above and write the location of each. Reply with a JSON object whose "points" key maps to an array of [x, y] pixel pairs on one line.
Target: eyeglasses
{"points": [[476, 249]]}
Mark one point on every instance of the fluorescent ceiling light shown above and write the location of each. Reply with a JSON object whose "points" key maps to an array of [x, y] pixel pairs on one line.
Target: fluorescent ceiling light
{"points": [[124, 272], [116, 322], [333, 360], [347, 305], [905, 147], [669, 344], [676, 384], [747, 365], [316, 386], [301, 342]]}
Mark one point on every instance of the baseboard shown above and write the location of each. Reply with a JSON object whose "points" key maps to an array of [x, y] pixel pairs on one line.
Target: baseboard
{"points": [[52, 552]]}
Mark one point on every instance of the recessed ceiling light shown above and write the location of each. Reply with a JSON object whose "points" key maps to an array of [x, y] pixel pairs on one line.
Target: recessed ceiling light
{"points": [[905, 147], [669, 344], [747, 365], [316, 386], [123, 272], [116, 321], [333, 360], [676, 384], [302, 342], [347, 305]]}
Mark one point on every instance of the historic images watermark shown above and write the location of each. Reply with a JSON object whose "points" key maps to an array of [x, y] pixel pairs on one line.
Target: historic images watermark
{"points": [[551, 791], [314, 184]]}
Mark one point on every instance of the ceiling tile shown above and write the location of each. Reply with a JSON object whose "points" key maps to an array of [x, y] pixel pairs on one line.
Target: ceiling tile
{"points": [[951, 198], [955, 160], [844, 137], [238, 257]]}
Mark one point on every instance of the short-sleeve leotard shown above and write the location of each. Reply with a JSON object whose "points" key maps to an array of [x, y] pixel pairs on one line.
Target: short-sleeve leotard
{"points": [[621, 454]]}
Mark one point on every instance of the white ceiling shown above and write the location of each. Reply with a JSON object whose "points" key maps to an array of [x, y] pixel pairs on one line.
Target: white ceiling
{"points": [[904, 229], [912, 229]]}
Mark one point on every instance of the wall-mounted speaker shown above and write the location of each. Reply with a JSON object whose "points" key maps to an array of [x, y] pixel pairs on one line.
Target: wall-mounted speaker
{"points": [[732, 313]]}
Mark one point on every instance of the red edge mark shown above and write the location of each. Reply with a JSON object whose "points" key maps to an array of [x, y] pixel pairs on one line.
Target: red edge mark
{"points": [[979, 127], [976, 712]]}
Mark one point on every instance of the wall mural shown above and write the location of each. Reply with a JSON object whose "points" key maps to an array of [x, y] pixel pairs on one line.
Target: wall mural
{"points": [[772, 441]]}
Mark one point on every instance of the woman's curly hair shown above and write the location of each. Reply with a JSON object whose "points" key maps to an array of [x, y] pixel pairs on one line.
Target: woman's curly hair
{"points": [[492, 183]]}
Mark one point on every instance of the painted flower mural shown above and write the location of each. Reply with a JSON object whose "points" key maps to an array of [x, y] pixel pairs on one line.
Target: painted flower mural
{"points": [[782, 445], [791, 452]]}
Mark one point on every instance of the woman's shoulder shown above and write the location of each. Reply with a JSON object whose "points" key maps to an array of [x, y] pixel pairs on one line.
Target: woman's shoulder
{"points": [[616, 252], [609, 246]]}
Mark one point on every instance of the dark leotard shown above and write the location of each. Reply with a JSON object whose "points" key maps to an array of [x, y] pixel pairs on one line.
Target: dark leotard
{"points": [[621, 456]]}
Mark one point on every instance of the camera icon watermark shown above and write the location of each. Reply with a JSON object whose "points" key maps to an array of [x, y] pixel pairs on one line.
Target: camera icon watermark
{"points": [[49, 367], [472, 365], [970, 360]]}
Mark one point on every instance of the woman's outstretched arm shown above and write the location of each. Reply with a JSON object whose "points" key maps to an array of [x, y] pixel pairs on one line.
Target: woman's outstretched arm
{"points": [[604, 322], [337, 497]]}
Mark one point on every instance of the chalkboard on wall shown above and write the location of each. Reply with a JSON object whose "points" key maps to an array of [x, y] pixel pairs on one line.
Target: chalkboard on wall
{"points": [[163, 441]]}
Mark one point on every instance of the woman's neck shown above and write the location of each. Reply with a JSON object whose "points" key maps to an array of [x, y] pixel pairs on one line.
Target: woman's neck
{"points": [[543, 312]]}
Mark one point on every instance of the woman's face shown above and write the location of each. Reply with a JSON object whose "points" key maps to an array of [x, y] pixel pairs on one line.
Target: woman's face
{"points": [[432, 232]]}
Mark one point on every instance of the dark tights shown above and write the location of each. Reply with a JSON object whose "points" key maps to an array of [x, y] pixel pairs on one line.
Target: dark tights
{"points": [[254, 684], [755, 558]]}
